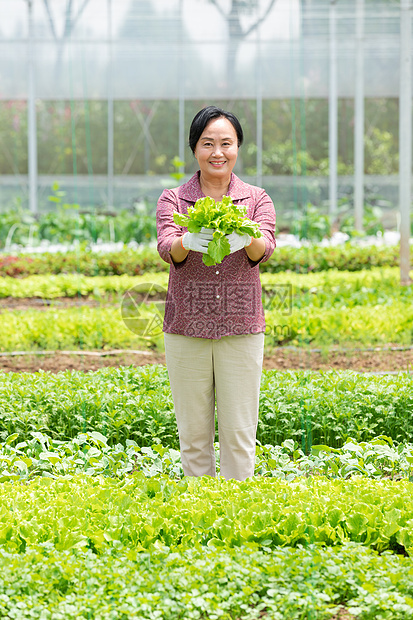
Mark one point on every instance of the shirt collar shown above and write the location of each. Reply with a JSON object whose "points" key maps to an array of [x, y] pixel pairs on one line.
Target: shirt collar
{"points": [[191, 191]]}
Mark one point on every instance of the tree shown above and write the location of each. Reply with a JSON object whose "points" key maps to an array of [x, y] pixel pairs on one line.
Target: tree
{"points": [[236, 33], [70, 20]]}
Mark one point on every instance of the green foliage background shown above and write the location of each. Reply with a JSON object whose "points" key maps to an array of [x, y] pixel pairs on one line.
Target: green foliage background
{"points": [[62, 124]]}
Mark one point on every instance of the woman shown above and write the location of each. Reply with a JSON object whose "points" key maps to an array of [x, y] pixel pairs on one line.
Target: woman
{"points": [[214, 321]]}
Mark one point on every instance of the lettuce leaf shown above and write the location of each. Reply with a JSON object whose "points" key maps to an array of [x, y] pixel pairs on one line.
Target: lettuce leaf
{"points": [[218, 249]]}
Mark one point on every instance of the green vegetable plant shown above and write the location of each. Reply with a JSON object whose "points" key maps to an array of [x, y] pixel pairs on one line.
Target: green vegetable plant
{"points": [[177, 166], [310, 224], [145, 260], [135, 403], [69, 223], [87, 453], [311, 582], [96, 328], [90, 453], [224, 217], [379, 458], [145, 514]]}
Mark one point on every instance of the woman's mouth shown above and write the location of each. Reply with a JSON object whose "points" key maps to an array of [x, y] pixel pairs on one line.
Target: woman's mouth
{"points": [[217, 163]]}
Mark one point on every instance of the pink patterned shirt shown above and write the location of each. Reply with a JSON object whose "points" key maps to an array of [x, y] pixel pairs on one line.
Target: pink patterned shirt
{"points": [[225, 299]]}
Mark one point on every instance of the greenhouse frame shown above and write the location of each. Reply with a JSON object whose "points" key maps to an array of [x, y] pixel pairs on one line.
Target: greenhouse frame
{"points": [[64, 62]]}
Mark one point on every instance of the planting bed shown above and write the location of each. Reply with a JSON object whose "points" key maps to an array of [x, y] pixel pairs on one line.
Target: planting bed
{"points": [[335, 311], [131, 403]]}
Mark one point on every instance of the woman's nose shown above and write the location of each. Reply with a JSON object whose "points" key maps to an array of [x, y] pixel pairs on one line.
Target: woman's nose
{"points": [[217, 149]]}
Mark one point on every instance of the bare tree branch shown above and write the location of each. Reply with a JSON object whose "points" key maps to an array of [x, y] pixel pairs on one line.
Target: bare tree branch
{"points": [[51, 22], [259, 21], [238, 32], [68, 26], [234, 22], [69, 22], [79, 13], [217, 6]]}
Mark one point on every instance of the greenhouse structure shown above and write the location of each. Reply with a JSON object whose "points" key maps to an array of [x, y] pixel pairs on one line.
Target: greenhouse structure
{"points": [[98, 95]]}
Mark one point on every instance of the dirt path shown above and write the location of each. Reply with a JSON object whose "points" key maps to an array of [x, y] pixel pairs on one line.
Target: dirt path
{"points": [[281, 359]]}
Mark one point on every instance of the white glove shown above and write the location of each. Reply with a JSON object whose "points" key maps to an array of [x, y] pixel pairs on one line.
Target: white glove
{"points": [[198, 241], [237, 241]]}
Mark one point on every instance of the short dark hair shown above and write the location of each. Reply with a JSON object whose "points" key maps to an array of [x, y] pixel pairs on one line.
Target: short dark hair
{"points": [[204, 116]]}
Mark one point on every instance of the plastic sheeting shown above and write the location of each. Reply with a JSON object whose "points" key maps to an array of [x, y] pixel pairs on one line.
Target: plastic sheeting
{"points": [[195, 49]]}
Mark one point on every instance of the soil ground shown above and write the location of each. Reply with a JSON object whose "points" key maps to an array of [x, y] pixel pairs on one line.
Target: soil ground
{"points": [[281, 359]]}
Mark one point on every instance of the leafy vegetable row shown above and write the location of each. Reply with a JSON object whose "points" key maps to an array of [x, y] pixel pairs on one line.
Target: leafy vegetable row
{"points": [[356, 326], [89, 328], [146, 259], [90, 453], [147, 513], [102, 327], [293, 583], [324, 289], [68, 223], [135, 403]]}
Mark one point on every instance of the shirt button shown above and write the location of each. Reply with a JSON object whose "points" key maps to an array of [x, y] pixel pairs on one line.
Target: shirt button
{"points": [[217, 296], [217, 272]]}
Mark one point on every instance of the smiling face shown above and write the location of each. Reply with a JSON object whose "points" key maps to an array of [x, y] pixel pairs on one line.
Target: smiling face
{"points": [[217, 150]]}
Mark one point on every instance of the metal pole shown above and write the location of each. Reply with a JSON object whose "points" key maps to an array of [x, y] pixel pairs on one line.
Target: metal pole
{"points": [[405, 139], [31, 114], [181, 87], [110, 108], [333, 113], [259, 139], [359, 120], [181, 114], [259, 111]]}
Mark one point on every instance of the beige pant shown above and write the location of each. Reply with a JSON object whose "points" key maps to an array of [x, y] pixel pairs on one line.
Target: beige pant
{"points": [[230, 367]]}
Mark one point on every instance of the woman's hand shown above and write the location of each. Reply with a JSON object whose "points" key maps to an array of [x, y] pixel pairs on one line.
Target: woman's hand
{"points": [[237, 241], [198, 242]]}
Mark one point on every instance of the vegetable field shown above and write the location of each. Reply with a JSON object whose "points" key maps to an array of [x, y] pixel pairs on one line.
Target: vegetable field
{"points": [[333, 307], [98, 521], [136, 404]]}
